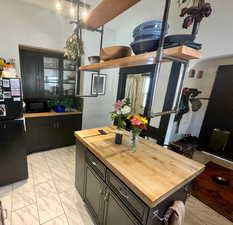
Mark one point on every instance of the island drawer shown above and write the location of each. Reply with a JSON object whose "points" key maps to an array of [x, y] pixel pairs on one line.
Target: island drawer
{"points": [[129, 198], [96, 164]]}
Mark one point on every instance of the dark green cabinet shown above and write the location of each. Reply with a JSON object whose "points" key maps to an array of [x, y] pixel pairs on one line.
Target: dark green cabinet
{"points": [[93, 196], [115, 212], [45, 133], [80, 169], [109, 200]]}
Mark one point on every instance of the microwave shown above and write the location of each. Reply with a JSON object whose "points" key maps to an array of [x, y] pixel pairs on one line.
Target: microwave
{"points": [[36, 105]]}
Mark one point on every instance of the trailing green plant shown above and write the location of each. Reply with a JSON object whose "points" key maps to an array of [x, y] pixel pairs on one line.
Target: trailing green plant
{"points": [[69, 102]]}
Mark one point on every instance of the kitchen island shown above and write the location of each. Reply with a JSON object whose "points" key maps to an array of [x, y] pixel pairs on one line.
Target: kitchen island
{"points": [[129, 188]]}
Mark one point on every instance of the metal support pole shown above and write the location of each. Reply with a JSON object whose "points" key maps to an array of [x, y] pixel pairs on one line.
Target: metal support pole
{"points": [[174, 59], [101, 38], [177, 95], [155, 78], [163, 113], [79, 31]]}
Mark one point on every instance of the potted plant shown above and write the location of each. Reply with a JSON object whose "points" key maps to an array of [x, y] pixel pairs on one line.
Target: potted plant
{"points": [[137, 124], [121, 111], [65, 103]]}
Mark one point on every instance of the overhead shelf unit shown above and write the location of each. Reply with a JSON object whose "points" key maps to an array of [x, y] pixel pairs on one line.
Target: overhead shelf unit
{"points": [[107, 10], [182, 52]]}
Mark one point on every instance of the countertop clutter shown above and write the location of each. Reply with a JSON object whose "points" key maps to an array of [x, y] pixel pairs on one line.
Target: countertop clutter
{"points": [[152, 172]]}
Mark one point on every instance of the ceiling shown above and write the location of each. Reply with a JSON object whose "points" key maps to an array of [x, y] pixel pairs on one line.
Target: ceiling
{"points": [[143, 11], [51, 4]]}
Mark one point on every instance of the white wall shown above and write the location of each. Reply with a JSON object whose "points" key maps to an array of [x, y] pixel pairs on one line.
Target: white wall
{"points": [[205, 85], [216, 36], [27, 24], [97, 110]]}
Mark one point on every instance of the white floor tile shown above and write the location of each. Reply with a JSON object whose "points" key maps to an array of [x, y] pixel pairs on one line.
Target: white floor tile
{"points": [[49, 207], [26, 216], [60, 220]]}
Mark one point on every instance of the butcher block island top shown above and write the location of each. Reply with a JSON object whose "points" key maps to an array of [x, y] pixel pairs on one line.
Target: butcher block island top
{"points": [[152, 172]]}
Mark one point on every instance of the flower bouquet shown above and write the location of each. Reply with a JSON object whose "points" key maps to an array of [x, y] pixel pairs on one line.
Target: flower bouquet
{"points": [[120, 114], [138, 123]]}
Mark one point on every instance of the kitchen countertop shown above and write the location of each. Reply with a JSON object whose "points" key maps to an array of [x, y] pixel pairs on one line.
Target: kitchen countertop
{"points": [[152, 172], [46, 114]]}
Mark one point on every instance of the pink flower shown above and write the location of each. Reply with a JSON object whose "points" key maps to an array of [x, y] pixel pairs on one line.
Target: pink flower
{"points": [[118, 105], [135, 121]]}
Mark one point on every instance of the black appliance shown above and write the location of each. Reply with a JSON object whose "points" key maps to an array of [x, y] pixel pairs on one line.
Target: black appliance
{"points": [[11, 105], [36, 105], [13, 158]]}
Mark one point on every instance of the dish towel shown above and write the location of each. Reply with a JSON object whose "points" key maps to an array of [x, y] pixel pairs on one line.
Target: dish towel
{"points": [[176, 214]]}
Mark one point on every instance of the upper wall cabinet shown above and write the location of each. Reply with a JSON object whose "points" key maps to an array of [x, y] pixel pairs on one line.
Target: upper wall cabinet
{"points": [[46, 75]]}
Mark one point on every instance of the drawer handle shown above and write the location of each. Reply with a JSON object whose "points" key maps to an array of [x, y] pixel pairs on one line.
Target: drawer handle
{"points": [[122, 192], [6, 214], [93, 163]]}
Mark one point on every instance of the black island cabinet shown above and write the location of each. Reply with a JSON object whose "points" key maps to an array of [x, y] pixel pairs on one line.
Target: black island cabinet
{"points": [[107, 196]]}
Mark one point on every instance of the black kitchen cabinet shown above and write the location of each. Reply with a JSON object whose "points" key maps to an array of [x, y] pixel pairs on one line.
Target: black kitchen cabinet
{"points": [[115, 211], [47, 74], [109, 200], [13, 158], [80, 169], [93, 195], [44, 133]]}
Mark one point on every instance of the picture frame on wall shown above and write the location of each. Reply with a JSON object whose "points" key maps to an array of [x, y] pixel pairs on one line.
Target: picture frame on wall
{"points": [[102, 84]]}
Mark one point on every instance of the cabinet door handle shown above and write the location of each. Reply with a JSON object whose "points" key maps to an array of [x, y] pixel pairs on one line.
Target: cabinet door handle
{"points": [[93, 163], [106, 198], [101, 192], [122, 192]]}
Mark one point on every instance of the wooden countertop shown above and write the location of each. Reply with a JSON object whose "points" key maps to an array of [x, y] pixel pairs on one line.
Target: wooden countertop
{"points": [[152, 172], [46, 114]]}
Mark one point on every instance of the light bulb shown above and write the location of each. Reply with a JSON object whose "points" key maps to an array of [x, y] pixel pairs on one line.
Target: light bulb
{"points": [[58, 6], [72, 11], [84, 14]]}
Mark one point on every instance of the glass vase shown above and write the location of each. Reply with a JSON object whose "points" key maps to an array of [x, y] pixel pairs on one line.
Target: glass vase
{"points": [[119, 136], [133, 139]]}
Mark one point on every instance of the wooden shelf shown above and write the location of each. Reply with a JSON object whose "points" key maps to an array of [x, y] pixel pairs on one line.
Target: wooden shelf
{"points": [[107, 10], [182, 52]]}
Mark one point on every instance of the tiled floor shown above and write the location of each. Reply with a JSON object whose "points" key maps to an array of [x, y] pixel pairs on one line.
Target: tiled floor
{"points": [[49, 197]]}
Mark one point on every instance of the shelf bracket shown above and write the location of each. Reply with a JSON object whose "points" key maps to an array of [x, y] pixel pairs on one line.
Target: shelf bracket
{"points": [[159, 56], [78, 30]]}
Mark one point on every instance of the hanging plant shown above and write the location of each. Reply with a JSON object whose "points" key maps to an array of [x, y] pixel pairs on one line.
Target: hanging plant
{"points": [[196, 12], [74, 47]]}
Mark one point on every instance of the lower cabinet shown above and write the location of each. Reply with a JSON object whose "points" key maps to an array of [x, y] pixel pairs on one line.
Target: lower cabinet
{"points": [[44, 133], [115, 212], [109, 200], [105, 207], [94, 192]]}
